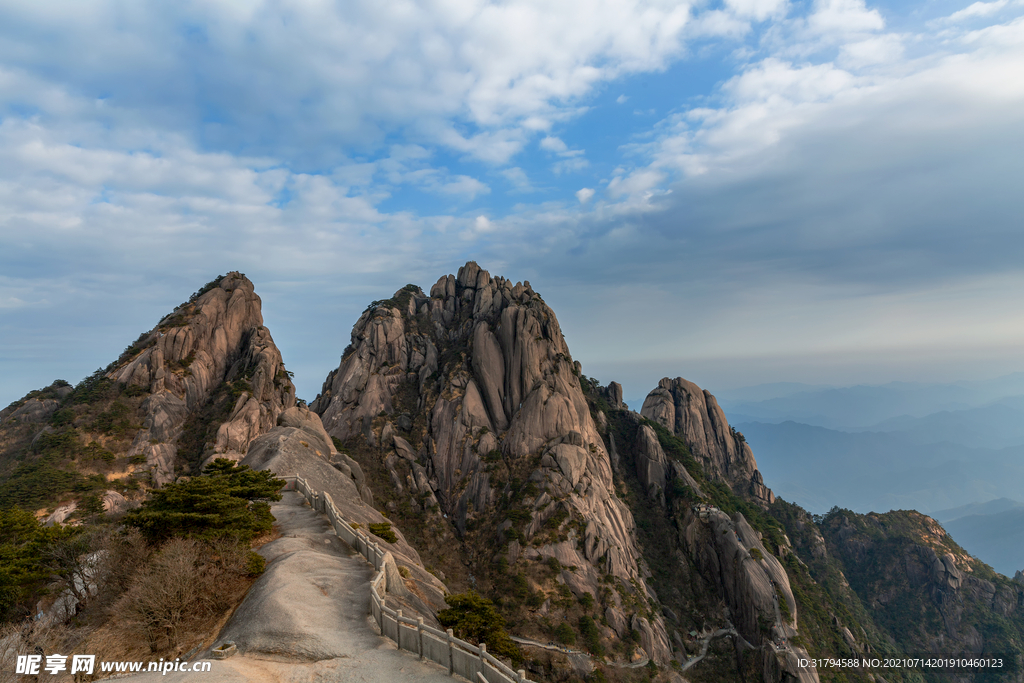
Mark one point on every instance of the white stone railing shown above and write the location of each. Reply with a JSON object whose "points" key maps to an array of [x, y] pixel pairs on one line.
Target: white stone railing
{"points": [[472, 662]]}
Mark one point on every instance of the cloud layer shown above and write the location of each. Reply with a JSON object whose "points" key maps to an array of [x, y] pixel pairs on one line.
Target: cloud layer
{"points": [[843, 189]]}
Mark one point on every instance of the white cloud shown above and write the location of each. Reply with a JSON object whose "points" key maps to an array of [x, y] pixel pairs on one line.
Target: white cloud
{"points": [[346, 74], [621, 99], [464, 185], [759, 10], [979, 10], [518, 178], [844, 17], [572, 164], [638, 185], [11, 302], [877, 50], [269, 139], [553, 144], [718, 24]]}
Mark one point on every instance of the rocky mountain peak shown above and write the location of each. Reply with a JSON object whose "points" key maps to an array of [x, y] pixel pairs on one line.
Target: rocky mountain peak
{"points": [[470, 401], [693, 415], [216, 336]]}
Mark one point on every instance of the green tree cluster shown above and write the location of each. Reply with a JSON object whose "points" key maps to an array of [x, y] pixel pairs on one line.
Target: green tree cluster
{"points": [[474, 618], [24, 546], [227, 500]]}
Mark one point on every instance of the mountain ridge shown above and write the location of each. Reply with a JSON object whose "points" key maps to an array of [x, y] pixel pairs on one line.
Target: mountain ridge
{"points": [[458, 422]]}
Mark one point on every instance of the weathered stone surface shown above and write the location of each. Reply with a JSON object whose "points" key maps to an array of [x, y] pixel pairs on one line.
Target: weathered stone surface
{"points": [[290, 450], [613, 394], [694, 416], [60, 514], [34, 410], [753, 582], [217, 337], [651, 462], [312, 579], [114, 502], [483, 360]]}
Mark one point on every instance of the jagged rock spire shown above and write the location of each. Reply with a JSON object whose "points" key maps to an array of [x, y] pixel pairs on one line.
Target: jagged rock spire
{"points": [[216, 336], [475, 371], [693, 414]]}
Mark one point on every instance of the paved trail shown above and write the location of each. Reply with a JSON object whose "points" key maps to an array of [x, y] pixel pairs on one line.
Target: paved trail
{"points": [[307, 619]]}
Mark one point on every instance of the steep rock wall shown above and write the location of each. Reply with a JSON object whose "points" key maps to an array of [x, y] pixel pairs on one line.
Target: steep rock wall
{"points": [[216, 337], [693, 414], [473, 387], [711, 563]]}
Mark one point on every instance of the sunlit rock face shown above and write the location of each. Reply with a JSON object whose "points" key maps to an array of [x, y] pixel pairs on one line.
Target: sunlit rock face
{"points": [[217, 337], [693, 415], [472, 385]]}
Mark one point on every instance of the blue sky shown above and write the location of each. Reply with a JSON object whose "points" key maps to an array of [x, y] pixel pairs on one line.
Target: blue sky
{"points": [[737, 192]]}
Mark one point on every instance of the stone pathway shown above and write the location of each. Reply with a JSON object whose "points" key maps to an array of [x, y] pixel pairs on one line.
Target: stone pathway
{"points": [[307, 618], [707, 642]]}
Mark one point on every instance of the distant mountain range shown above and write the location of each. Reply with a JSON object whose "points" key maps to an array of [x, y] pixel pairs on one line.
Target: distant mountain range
{"points": [[872, 471], [954, 449], [993, 531], [993, 507], [888, 407]]}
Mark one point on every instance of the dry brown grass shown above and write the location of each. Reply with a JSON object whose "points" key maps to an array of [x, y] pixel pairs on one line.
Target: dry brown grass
{"points": [[31, 638], [188, 585], [167, 603]]}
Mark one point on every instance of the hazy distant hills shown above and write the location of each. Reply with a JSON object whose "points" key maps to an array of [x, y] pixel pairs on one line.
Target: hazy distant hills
{"points": [[872, 471], [998, 539], [996, 425], [953, 450], [862, 408], [993, 531], [993, 507]]}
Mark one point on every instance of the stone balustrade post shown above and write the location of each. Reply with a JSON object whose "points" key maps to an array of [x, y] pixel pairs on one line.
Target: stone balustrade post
{"points": [[398, 628], [451, 654], [521, 676], [419, 634], [483, 659]]}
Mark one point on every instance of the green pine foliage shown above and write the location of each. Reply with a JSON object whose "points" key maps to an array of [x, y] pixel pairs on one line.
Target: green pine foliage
{"points": [[227, 500], [474, 618], [23, 546], [564, 634], [383, 530], [591, 636]]}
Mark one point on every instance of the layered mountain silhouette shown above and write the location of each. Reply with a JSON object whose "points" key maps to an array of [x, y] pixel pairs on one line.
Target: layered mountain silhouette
{"points": [[458, 419]]}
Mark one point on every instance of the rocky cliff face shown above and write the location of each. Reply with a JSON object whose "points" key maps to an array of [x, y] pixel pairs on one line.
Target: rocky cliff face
{"points": [[203, 383], [929, 594], [469, 401], [693, 415], [216, 337], [714, 573]]}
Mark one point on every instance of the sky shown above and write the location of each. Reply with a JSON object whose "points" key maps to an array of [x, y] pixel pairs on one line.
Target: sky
{"points": [[737, 192]]}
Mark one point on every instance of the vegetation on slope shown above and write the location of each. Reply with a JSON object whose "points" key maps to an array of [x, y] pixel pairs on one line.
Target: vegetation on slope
{"points": [[229, 500], [890, 561], [692, 598]]}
